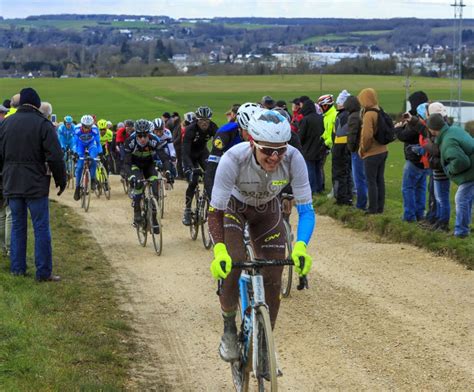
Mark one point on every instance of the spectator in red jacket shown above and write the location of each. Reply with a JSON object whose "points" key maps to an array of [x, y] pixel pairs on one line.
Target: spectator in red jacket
{"points": [[297, 116]]}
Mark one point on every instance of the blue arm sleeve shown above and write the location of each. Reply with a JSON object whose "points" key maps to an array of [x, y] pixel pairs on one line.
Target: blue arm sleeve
{"points": [[99, 146], [306, 222]]}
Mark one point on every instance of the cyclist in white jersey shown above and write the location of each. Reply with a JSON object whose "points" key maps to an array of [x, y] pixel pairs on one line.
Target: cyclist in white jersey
{"points": [[249, 177]]}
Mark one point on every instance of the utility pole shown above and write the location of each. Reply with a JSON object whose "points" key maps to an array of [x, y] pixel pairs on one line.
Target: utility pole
{"points": [[456, 80]]}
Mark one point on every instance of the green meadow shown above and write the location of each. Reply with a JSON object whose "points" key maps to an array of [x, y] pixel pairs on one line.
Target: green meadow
{"points": [[119, 98]]}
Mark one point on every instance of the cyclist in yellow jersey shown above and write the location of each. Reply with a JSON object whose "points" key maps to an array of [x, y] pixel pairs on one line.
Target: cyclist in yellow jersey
{"points": [[106, 137]]}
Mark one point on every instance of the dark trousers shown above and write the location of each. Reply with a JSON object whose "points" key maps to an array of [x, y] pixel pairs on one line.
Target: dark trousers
{"points": [[179, 160], [374, 172], [198, 162], [315, 176], [341, 174], [39, 211]]}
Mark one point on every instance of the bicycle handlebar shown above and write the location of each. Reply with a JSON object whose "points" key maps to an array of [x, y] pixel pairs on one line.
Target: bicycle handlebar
{"points": [[258, 263]]}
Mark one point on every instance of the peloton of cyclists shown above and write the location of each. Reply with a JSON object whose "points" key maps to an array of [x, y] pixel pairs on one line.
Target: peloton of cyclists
{"points": [[139, 163], [195, 153], [248, 180], [86, 138]]}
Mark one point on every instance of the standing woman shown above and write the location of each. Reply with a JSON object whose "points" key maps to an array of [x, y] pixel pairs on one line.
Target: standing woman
{"points": [[372, 152]]}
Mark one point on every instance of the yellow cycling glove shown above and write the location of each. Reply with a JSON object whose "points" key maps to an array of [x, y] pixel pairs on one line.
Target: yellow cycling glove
{"points": [[299, 250], [220, 256]]}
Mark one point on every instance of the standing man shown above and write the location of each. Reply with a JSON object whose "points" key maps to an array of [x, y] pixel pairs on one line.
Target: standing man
{"points": [[457, 159], [311, 129], [29, 154]]}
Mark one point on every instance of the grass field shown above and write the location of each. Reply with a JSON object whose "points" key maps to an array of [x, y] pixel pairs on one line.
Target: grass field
{"points": [[121, 98], [66, 336]]}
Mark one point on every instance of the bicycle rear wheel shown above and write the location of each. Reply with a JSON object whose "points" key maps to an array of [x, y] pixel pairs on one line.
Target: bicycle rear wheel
{"points": [[266, 361], [142, 227], [86, 189], [287, 275], [161, 198], [203, 212], [154, 223], [105, 183], [194, 228]]}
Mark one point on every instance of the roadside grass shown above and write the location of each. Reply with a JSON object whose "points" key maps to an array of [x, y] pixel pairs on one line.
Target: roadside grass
{"points": [[389, 225], [65, 336]]}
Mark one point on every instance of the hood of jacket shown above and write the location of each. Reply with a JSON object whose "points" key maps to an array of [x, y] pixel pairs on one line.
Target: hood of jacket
{"points": [[308, 107], [352, 104], [416, 99], [368, 98]]}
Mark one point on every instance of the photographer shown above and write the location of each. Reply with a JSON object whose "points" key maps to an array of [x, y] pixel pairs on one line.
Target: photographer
{"points": [[414, 172]]}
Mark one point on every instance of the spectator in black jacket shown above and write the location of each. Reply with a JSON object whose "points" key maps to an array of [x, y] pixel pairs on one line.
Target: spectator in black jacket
{"points": [[29, 153], [311, 128], [354, 124], [414, 172], [341, 156]]}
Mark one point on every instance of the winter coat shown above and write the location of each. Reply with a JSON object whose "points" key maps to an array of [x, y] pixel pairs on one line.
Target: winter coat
{"points": [[311, 129], [368, 145], [409, 134], [354, 123], [29, 153], [457, 154], [329, 124]]}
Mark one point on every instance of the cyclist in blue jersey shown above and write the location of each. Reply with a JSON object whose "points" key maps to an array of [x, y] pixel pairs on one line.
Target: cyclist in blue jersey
{"points": [[66, 134], [86, 137]]}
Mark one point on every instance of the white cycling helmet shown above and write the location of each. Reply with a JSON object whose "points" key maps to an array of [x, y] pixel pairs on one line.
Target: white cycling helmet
{"points": [[158, 123], [269, 126], [189, 117], [244, 114], [87, 120]]}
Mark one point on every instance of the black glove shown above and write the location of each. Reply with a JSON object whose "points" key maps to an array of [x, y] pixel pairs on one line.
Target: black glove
{"points": [[188, 174], [62, 187]]}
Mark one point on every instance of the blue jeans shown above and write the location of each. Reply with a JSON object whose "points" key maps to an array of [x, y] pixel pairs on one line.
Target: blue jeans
{"points": [[464, 199], [39, 211], [443, 207], [414, 192], [93, 153], [315, 176], [360, 182]]}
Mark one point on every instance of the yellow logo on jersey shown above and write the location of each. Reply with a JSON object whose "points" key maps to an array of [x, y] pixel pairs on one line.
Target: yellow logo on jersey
{"points": [[218, 143], [279, 182], [272, 237], [230, 216]]}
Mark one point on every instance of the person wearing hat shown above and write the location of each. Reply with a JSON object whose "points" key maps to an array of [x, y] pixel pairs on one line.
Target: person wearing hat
{"points": [[268, 102], [457, 159], [29, 154], [409, 131], [439, 182]]}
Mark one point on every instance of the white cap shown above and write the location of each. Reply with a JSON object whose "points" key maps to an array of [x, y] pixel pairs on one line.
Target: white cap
{"points": [[438, 107], [341, 98]]}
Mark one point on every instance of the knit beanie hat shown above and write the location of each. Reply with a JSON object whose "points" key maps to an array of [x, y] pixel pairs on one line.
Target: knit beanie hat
{"points": [[438, 107], [435, 122], [341, 98], [30, 96]]}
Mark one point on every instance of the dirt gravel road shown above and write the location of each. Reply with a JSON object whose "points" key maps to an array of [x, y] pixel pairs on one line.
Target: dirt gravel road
{"points": [[377, 316]]}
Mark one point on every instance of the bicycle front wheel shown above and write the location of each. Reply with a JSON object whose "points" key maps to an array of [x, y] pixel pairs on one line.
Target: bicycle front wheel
{"points": [[154, 223], [203, 212], [266, 369], [105, 183], [194, 228], [287, 275]]}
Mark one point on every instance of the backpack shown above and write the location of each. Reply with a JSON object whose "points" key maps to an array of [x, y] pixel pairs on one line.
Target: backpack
{"points": [[385, 130]]}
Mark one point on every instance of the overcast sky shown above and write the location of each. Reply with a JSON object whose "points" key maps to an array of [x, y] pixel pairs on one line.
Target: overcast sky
{"points": [[257, 8]]}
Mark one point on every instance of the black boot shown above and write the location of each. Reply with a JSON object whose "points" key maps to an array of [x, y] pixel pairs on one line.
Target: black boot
{"points": [[137, 214], [187, 217], [77, 194]]}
